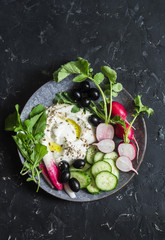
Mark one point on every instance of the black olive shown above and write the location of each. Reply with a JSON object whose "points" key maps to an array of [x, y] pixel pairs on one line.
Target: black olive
{"points": [[63, 165], [74, 184], [85, 102], [65, 176], [94, 120], [84, 86], [79, 163], [76, 95], [94, 94]]}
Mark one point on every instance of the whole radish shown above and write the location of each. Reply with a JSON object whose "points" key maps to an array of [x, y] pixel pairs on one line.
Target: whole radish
{"points": [[118, 109], [120, 133]]}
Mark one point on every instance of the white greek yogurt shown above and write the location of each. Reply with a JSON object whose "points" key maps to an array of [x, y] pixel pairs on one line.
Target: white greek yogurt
{"points": [[67, 134]]}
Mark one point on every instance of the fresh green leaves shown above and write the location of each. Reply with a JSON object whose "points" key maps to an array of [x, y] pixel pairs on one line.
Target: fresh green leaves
{"points": [[117, 119], [81, 67], [63, 97], [75, 109], [28, 138], [98, 78], [110, 73], [13, 121], [116, 88], [141, 108], [80, 78]]}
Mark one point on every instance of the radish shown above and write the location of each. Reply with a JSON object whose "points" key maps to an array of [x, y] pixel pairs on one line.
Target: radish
{"points": [[127, 149], [118, 109], [105, 146], [69, 191], [45, 174], [104, 131], [53, 171], [124, 164], [120, 133]]}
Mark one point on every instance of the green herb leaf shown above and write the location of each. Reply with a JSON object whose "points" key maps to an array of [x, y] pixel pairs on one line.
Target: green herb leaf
{"points": [[117, 87], [84, 65], [13, 121], [21, 140], [39, 127], [63, 97], [39, 151], [98, 77], [117, 119], [36, 110], [81, 66], [29, 123], [110, 73], [141, 108], [80, 78], [75, 109], [114, 94]]}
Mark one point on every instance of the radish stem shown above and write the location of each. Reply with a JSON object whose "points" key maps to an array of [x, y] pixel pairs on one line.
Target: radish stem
{"points": [[104, 99]]}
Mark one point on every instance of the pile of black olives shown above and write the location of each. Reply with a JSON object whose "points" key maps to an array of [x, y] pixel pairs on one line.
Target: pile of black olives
{"points": [[84, 94], [65, 173]]}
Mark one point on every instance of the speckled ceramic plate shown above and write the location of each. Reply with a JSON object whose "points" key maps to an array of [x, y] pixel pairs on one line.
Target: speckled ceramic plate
{"points": [[45, 95]]}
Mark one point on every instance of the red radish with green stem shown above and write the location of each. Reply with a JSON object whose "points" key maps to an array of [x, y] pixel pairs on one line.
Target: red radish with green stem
{"points": [[118, 109], [126, 132]]}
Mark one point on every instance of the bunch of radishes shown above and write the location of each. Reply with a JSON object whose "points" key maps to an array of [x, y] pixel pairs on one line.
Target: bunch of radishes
{"points": [[126, 149]]}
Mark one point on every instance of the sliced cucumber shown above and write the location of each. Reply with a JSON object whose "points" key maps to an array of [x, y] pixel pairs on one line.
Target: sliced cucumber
{"points": [[98, 156], [92, 188], [112, 155], [82, 177], [84, 169], [106, 181], [115, 170], [90, 154], [99, 167]]}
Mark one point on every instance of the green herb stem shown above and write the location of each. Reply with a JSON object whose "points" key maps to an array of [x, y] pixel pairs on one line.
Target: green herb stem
{"points": [[126, 140], [104, 99], [110, 106]]}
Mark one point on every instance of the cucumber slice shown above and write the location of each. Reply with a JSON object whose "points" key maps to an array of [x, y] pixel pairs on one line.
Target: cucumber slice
{"points": [[84, 169], [106, 181], [115, 170], [90, 154], [112, 155], [92, 188], [99, 167], [82, 177], [98, 156]]}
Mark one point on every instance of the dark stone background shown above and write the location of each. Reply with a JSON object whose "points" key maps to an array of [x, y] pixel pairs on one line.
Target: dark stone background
{"points": [[38, 36]]}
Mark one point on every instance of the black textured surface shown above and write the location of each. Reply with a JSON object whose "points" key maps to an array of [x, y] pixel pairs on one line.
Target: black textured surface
{"points": [[35, 38]]}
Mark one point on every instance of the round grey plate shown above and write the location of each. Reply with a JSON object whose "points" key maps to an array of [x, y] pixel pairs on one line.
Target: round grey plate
{"points": [[45, 95]]}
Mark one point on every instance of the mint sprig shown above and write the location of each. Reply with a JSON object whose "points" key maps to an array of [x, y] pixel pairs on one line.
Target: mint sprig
{"points": [[29, 134]]}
